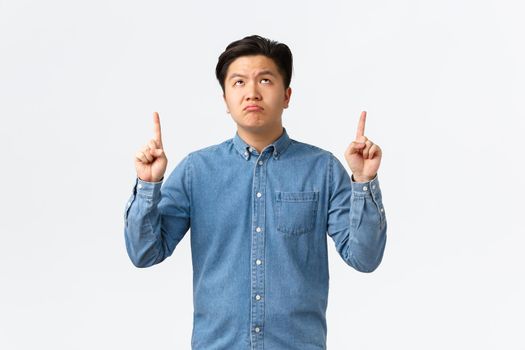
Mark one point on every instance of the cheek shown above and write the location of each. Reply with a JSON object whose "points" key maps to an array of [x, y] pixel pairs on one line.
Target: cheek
{"points": [[278, 101], [233, 98]]}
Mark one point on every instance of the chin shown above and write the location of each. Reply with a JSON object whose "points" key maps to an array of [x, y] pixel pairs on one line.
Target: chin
{"points": [[253, 122]]}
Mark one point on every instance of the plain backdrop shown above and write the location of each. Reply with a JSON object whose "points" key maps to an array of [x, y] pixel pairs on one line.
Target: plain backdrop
{"points": [[443, 83]]}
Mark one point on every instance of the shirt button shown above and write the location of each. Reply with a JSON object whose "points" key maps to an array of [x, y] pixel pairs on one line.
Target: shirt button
{"points": [[246, 153], [259, 194], [381, 209], [258, 229], [374, 186], [257, 329], [258, 262], [365, 188], [258, 297], [260, 162], [129, 203], [139, 186]]}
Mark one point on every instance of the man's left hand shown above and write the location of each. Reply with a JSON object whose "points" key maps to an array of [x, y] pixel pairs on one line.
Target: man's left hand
{"points": [[362, 155]]}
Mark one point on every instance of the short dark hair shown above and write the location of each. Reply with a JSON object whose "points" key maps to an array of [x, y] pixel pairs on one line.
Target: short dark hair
{"points": [[256, 45]]}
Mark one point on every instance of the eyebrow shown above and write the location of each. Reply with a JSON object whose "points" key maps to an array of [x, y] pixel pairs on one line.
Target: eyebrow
{"points": [[263, 72]]}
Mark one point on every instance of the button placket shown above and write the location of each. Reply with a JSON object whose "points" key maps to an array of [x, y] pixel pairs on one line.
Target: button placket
{"points": [[258, 246]]}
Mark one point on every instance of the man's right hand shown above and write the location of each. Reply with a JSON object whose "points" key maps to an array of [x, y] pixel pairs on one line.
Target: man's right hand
{"points": [[151, 161]]}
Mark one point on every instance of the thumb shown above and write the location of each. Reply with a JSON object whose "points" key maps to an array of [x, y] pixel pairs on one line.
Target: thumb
{"points": [[157, 152], [354, 147]]}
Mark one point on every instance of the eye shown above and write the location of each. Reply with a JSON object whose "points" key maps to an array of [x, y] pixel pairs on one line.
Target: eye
{"points": [[267, 81], [238, 82]]}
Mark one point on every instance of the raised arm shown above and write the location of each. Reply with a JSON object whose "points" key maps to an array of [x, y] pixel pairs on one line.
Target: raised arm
{"points": [[356, 216], [156, 218]]}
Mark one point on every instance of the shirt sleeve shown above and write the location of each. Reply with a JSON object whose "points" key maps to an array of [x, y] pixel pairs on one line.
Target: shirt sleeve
{"points": [[356, 219], [157, 216]]}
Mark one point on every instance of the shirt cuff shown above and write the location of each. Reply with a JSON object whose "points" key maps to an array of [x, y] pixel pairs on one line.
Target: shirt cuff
{"points": [[371, 186], [148, 189]]}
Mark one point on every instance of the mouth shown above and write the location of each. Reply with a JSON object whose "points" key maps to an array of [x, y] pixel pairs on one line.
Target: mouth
{"points": [[253, 108]]}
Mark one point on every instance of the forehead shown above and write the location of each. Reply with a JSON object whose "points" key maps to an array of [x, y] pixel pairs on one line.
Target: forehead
{"points": [[248, 65]]}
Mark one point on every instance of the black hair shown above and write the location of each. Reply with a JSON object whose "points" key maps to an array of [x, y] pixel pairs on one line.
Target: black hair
{"points": [[256, 45]]}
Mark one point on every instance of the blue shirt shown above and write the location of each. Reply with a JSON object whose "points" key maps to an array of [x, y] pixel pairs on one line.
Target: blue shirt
{"points": [[259, 226]]}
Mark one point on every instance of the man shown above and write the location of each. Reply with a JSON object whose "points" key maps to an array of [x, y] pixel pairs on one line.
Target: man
{"points": [[260, 206]]}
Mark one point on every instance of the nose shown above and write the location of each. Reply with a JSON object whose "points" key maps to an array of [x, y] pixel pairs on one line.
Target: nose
{"points": [[252, 92]]}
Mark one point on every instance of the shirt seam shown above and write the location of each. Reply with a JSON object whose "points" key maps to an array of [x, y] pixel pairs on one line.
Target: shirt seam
{"points": [[188, 171], [330, 176]]}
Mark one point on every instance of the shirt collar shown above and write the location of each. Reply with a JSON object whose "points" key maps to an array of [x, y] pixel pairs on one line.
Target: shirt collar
{"points": [[278, 146]]}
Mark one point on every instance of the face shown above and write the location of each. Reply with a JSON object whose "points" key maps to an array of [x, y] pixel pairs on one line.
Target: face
{"points": [[255, 95]]}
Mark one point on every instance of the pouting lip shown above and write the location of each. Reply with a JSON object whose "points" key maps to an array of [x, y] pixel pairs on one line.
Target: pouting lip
{"points": [[249, 106]]}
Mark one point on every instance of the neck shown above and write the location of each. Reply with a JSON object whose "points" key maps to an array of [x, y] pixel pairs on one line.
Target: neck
{"points": [[259, 140]]}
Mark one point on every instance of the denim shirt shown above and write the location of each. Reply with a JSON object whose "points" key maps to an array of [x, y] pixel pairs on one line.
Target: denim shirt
{"points": [[259, 226]]}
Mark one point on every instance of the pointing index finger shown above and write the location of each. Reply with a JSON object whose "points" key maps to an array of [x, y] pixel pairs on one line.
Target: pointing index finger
{"points": [[361, 127], [156, 128]]}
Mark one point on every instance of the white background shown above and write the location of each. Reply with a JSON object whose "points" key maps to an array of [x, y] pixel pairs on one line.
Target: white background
{"points": [[443, 83]]}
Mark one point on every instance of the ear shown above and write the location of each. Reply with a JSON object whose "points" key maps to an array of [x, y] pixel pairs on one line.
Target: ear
{"points": [[287, 95]]}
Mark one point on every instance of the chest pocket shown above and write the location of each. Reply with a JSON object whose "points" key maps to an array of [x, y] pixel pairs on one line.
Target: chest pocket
{"points": [[296, 211]]}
